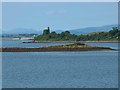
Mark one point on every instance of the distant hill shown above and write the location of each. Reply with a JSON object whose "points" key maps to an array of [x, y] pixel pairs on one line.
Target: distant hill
{"points": [[92, 29], [73, 31], [21, 31], [26, 31]]}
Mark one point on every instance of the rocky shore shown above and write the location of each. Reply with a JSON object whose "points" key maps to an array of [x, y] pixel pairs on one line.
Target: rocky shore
{"points": [[61, 48]]}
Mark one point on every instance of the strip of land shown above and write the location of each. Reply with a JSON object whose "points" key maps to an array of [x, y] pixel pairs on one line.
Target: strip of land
{"points": [[77, 47], [71, 41]]}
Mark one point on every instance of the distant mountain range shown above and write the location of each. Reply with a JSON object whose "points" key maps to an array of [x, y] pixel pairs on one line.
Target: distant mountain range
{"points": [[75, 31], [21, 31], [93, 29]]}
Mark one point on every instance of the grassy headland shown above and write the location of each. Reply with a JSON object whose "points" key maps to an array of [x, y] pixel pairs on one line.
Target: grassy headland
{"points": [[112, 35]]}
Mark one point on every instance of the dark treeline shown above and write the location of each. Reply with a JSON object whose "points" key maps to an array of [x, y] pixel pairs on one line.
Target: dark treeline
{"points": [[67, 36]]}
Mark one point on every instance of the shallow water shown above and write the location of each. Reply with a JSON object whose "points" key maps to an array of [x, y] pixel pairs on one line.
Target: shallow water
{"points": [[19, 43], [93, 69]]}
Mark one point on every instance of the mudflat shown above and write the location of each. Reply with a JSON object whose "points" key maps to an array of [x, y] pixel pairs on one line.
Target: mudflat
{"points": [[60, 48]]}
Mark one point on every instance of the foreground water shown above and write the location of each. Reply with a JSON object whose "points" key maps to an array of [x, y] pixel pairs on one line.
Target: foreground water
{"points": [[94, 69]]}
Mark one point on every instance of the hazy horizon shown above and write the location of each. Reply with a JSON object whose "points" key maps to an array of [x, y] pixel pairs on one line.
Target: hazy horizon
{"points": [[85, 30]]}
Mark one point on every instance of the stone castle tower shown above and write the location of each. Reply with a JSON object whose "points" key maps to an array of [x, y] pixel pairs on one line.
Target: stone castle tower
{"points": [[46, 31]]}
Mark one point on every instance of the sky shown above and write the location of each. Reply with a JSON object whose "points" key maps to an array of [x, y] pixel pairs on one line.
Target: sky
{"points": [[60, 0], [58, 15]]}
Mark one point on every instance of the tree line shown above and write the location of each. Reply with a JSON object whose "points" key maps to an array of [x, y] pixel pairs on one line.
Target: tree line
{"points": [[67, 36]]}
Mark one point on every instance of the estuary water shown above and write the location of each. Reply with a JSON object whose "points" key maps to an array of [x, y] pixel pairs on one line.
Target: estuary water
{"points": [[19, 43], [91, 69]]}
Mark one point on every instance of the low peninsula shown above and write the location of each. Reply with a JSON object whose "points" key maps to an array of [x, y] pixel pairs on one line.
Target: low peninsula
{"points": [[67, 36], [76, 47]]}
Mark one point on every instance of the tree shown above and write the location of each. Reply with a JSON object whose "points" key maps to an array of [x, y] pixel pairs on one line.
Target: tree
{"points": [[67, 32], [53, 34], [114, 31]]}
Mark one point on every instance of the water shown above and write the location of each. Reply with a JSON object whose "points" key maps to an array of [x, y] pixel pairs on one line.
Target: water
{"points": [[93, 69], [19, 43]]}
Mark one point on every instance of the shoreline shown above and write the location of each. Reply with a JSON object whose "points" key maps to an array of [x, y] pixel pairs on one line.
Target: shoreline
{"points": [[52, 49], [73, 42], [29, 39], [77, 47]]}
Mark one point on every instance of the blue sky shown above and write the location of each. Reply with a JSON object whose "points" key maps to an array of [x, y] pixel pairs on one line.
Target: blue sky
{"points": [[58, 16]]}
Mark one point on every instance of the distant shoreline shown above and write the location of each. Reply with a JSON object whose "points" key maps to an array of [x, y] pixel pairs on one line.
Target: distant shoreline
{"points": [[74, 42], [58, 41], [16, 38]]}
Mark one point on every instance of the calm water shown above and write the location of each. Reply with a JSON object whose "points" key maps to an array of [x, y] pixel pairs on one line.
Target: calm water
{"points": [[93, 69], [18, 43]]}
